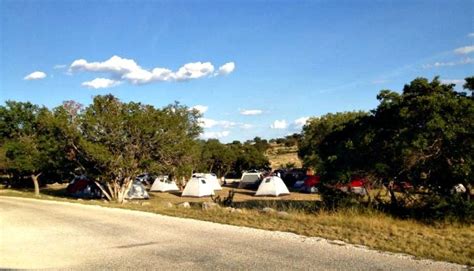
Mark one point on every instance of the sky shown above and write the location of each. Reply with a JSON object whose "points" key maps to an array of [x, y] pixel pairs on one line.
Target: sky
{"points": [[253, 68]]}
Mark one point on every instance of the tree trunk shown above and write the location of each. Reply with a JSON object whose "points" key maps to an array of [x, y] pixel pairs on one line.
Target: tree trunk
{"points": [[103, 191], [34, 178], [393, 198], [123, 191]]}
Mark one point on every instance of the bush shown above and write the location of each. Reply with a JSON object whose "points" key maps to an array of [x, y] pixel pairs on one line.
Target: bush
{"points": [[335, 199]]}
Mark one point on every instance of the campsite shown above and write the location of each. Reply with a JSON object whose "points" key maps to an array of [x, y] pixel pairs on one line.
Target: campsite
{"points": [[237, 135]]}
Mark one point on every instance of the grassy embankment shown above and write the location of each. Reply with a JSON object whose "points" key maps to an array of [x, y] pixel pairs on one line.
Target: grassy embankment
{"points": [[442, 241], [280, 156]]}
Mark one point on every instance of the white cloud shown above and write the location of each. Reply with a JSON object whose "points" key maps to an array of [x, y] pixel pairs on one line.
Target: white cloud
{"points": [[464, 50], [115, 64], [129, 70], [209, 123], [279, 124], [251, 112], [300, 122], [100, 83], [452, 81], [59, 66], [37, 75], [246, 126], [215, 134], [194, 71], [141, 76], [201, 108], [464, 61], [470, 35], [226, 69]]}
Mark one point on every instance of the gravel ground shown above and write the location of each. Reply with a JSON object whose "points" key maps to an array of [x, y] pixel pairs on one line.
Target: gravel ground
{"points": [[47, 234]]}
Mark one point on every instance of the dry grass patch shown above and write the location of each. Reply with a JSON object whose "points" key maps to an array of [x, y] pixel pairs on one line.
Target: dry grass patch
{"points": [[280, 156]]}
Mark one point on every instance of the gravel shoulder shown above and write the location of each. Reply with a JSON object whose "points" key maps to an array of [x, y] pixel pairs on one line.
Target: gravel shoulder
{"points": [[48, 234]]}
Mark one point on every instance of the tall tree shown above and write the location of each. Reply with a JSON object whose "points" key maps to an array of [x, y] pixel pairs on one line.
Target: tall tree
{"points": [[125, 139], [31, 142]]}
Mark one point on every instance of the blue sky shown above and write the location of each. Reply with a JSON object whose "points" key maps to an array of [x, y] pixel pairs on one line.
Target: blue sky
{"points": [[257, 68]]}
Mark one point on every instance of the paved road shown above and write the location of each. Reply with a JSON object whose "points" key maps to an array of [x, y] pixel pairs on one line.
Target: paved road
{"points": [[46, 234]]}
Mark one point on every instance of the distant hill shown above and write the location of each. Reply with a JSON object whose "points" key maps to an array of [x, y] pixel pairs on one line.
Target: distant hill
{"points": [[281, 156]]}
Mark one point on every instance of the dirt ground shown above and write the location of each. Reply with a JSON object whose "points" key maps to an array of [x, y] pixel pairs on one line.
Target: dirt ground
{"points": [[241, 195]]}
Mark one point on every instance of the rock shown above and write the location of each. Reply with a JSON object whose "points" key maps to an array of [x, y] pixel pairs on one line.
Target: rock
{"points": [[168, 205], [184, 205], [209, 205], [235, 210], [105, 201], [268, 210], [283, 214], [145, 203], [79, 199]]}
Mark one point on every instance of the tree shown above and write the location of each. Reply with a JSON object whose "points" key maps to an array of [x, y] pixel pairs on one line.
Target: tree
{"points": [[316, 130], [31, 142], [249, 157], [123, 140], [469, 85], [217, 157], [425, 136], [261, 144]]}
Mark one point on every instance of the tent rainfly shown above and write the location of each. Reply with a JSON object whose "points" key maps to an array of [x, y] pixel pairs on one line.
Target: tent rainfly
{"points": [[272, 186], [197, 187], [163, 184]]}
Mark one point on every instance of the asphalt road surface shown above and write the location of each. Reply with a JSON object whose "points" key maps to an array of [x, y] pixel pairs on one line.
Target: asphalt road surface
{"points": [[46, 234]]}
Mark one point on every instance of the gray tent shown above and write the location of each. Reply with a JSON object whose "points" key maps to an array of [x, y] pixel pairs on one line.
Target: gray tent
{"points": [[137, 191], [250, 180]]}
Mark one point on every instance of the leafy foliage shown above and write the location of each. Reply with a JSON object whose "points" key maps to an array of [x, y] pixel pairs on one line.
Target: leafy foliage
{"points": [[423, 136]]}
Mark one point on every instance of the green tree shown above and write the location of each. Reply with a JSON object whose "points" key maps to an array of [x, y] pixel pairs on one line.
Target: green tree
{"points": [[469, 85], [122, 140], [217, 157], [316, 130], [32, 144]]}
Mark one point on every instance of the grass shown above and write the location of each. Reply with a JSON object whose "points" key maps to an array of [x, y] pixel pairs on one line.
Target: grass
{"points": [[444, 241], [279, 156]]}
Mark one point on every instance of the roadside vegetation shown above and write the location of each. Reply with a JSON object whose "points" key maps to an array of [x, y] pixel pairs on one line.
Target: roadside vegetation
{"points": [[419, 142]]}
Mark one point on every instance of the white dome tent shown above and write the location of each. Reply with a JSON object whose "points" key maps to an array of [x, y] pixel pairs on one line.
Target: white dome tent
{"points": [[164, 184], [211, 178], [198, 187], [272, 186]]}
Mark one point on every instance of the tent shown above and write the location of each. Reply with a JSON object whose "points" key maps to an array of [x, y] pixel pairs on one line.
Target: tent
{"points": [[357, 186], [272, 186], [164, 184], [250, 180], [83, 187], [198, 187], [137, 191], [310, 184], [211, 178]]}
